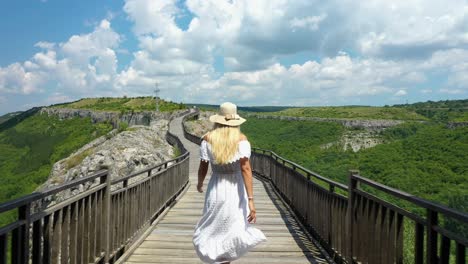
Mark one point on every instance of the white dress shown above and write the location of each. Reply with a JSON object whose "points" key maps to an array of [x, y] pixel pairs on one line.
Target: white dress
{"points": [[223, 233]]}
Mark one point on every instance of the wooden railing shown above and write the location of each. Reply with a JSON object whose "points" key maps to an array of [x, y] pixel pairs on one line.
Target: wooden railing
{"points": [[355, 226], [361, 227], [192, 116], [97, 225]]}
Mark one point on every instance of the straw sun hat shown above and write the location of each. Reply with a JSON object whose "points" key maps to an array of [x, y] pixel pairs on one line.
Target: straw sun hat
{"points": [[227, 115]]}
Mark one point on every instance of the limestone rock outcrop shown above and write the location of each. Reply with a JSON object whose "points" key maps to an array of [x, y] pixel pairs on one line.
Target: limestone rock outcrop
{"points": [[370, 124], [123, 153], [132, 118]]}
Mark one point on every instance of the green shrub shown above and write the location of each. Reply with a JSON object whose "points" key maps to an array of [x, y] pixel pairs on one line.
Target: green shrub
{"points": [[123, 126]]}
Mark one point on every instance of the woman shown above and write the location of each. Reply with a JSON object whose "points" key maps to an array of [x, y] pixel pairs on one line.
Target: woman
{"points": [[224, 233]]}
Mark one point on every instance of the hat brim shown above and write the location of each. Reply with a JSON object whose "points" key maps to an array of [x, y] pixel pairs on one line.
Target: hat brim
{"points": [[222, 120]]}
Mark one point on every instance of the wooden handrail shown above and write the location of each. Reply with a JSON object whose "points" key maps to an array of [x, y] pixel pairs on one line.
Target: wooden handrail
{"points": [[296, 166], [9, 205], [463, 217]]}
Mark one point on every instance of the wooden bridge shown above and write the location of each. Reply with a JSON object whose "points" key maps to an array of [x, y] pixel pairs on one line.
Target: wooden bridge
{"points": [[306, 218]]}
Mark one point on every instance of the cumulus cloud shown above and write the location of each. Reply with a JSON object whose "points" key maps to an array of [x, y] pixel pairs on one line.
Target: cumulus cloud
{"points": [[358, 50], [83, 63], [311, 22], [413, 29], [15, 79]]}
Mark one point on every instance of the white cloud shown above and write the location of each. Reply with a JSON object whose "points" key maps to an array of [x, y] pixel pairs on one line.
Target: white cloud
{"points": [[83, 63], [410, 29], [310, 22], [45, 45], [401, 93], [15, 79]]}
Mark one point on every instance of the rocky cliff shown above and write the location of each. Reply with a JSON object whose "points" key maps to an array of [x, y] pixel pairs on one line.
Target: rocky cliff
{"points": [[121, 153], [141, 145], [132, 118], [371, 124]]}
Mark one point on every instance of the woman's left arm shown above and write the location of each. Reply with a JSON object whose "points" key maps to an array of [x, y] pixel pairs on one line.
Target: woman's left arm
{"points": [[248, 182]]}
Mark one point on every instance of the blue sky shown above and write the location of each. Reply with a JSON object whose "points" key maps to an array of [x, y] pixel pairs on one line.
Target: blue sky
{"points": [[265, 52]]}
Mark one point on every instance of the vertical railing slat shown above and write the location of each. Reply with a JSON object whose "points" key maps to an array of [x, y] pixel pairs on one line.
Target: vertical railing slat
{"points": [[399, 239], [56, 237], [445, 250], [431, 237], [419, 244], [460, 253], [24, 213], [47, 231], [80, 231], [92, 252], [3, 248], [15, 246], [37, 241], [73, 232], [65, 235], [106, 223]]}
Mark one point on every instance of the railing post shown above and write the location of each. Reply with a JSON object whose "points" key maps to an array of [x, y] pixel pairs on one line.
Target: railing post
{"points": [[107, 217], [431, 243], [352, 186]]}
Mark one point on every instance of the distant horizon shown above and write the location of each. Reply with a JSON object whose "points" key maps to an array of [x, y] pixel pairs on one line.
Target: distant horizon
{"points": [[215, 105]]}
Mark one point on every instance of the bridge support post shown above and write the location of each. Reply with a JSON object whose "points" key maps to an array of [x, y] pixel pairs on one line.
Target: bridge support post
{"points": [[352, 185]]}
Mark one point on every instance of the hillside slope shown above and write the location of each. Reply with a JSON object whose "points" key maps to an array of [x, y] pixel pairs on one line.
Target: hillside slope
{"points": [[122, 104]]}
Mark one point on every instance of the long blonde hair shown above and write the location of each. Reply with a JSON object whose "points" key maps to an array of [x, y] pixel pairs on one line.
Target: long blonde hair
{"points": [[224, 142]]}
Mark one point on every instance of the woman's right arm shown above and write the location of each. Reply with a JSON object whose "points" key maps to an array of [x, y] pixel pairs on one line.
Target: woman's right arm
{"points": [[202, 170], [204, 160]]}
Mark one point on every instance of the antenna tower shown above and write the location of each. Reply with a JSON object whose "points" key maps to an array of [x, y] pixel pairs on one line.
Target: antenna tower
{"points": [[156, 92]]}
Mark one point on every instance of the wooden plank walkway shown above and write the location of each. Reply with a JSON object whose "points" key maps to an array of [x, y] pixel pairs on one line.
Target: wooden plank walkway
{"points": [[171, 239]]}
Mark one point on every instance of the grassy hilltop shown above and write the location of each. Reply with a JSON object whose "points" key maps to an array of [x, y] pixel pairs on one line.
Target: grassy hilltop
{"points": [[5, 117], [442, 111], [122, 104], [353, 112]]}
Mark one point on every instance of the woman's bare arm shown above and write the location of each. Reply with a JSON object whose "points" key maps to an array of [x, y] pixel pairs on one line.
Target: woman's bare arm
{"points": [[247, 175], [202, 170]]}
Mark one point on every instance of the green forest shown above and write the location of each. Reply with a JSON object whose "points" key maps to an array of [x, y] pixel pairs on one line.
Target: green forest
{"points": [[424, 159], [427, 160], [353, 112], [440, 111], [30, 148]]}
